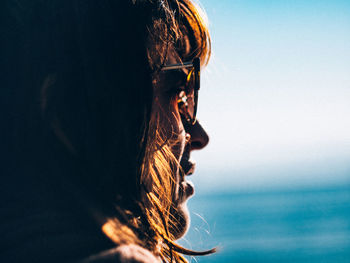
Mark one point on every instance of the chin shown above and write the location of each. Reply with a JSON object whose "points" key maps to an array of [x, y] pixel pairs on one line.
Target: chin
{"points": [[182, 221]]}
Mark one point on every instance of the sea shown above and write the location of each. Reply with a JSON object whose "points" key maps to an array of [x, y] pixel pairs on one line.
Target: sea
{"points": [[303, 225]]}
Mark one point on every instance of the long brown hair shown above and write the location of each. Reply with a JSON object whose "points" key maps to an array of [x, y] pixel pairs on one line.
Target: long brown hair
{"points": [[186, 30], [182, 26], [80, 76]]}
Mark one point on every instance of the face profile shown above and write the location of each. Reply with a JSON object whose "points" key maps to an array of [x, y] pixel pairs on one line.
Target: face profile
{"points": [[103, 122], [177, 101]]}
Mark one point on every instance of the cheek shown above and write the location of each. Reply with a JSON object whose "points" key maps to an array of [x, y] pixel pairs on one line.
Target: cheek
{"points": [[178, 138], [171, 124]]}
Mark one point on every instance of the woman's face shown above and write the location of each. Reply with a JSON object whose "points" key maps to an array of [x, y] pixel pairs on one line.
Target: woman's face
{"points": [[184, 138]]}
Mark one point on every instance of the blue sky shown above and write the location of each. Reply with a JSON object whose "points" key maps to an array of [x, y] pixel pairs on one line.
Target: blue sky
{"points": [[275, 97]]}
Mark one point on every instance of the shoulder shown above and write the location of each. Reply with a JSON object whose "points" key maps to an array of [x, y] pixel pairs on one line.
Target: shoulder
{"points": [[124, 254]]}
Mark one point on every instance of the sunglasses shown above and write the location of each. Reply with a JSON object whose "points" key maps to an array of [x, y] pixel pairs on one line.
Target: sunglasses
{"points": [[188, 97]]}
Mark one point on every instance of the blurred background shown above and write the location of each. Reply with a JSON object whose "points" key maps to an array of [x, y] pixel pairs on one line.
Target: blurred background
{"points": [[273, 185]]}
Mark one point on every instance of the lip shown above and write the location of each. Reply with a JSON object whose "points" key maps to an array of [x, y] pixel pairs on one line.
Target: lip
{"points": [[188, 166], [189, 188], [186, 190]]}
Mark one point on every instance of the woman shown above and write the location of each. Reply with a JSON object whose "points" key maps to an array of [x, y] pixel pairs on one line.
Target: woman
{"points": [[101, 99]]}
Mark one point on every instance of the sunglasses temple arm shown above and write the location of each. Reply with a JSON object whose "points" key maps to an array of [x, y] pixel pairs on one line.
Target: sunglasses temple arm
{"points": [[178, 66]]}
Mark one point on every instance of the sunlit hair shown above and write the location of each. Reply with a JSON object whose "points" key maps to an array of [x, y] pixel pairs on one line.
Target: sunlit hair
{"points": [[83, 123], [181, 25], [186, 31]]}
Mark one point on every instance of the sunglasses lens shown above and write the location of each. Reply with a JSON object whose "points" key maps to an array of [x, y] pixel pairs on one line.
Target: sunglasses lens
{"points": [[190, 88], [188, 97]]}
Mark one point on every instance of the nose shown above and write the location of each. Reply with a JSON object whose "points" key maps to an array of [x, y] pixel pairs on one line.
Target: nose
{"points": [[199, 137]]}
